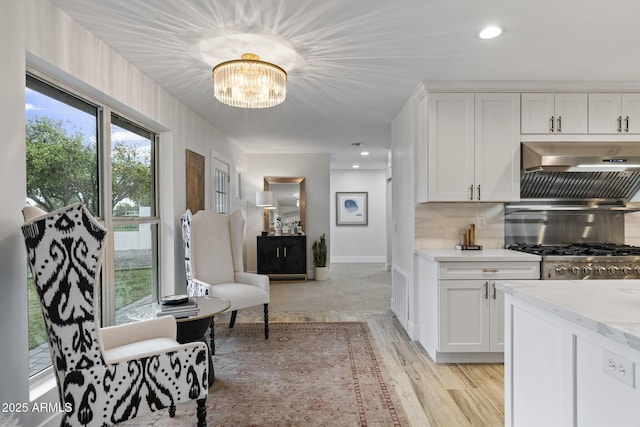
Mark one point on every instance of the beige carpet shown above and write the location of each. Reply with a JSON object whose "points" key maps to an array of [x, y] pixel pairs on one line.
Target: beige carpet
{"points": [[306, 374]]}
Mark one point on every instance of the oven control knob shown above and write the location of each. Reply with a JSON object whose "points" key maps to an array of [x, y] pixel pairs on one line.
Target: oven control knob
{"points": [[614, 269], [574, 269], [600, 270], [561, 269], [588, 270], [626, 270]]}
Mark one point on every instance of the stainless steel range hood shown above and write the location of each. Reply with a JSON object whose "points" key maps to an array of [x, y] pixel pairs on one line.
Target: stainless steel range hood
{"points": [[580, 156], [580, 171]]}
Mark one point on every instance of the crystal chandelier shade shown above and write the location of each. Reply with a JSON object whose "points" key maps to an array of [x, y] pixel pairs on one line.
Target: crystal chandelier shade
{"points": [[249, 82]]}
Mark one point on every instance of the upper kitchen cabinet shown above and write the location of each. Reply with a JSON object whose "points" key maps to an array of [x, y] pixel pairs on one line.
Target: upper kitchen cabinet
{"points": [[473, 147], [614, 113], [554, 113]]}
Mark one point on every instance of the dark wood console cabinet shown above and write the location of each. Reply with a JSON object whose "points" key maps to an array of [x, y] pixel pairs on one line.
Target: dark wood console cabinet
{"points": [[282, 255]]}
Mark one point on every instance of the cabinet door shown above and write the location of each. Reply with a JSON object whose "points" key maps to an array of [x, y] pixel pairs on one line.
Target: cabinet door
{"points": [[537, 111], [293, 254], [496, 318], [571, 113], [605, 113], [497, 147], [631, 112], [269, 259], [464, 316], [451, 147]]}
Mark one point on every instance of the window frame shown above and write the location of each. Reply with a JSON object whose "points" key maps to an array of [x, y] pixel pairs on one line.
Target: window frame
{"points": [[106, 308]]}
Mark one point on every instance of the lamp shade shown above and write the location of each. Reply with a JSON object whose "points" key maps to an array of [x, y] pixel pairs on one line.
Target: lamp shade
{"points": [[264, 198]]}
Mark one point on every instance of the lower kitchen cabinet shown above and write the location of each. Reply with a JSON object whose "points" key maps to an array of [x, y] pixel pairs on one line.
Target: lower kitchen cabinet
{"points": [[461, 310], [472, 313], [282, 255]]}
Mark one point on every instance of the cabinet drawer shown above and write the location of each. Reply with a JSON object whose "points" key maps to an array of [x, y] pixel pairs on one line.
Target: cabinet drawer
{"points": [[493, 270]]}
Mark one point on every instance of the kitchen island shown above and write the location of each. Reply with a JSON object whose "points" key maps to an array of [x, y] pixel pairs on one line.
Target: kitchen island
{"points": [[572, 352]]}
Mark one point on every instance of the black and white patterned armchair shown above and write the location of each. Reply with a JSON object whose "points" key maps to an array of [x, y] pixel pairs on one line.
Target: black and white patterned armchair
{"points": [[104, 375]]}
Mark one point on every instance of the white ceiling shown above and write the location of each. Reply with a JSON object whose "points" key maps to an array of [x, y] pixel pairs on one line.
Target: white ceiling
{"points": [[364, 57]]}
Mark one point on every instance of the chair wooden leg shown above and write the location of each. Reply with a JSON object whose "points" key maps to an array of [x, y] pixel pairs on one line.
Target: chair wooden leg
{"points": [[232, 322], [212, 343], [202, 412], [172, 411], [266, 321]]}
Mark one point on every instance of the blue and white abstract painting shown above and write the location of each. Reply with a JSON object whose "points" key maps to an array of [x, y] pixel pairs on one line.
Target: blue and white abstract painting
{"points": [[351, 208]]}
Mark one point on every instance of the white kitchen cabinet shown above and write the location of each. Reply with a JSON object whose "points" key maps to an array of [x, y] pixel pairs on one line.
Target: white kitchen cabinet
{"points": [[614, 113], [461, 310], [472, 316], [554, 113], [473, 147]]}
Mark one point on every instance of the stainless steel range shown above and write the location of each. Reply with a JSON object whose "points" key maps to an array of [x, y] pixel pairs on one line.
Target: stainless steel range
{"points": [[572, 199], [585, 261]]}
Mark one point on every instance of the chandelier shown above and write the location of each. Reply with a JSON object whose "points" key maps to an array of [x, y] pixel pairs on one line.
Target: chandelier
{"points": [[249, 82]]}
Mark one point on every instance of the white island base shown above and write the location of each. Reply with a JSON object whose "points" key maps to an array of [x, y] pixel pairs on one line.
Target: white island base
{"points": [[572, 353]]}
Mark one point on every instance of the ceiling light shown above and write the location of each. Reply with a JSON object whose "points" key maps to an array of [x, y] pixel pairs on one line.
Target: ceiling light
{"points": [[249, 82], [355, 166], [364, 153], [490, 32]]}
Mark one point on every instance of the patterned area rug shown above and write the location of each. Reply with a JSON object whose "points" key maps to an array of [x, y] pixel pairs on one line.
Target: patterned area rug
{"points": [[305, 374]]}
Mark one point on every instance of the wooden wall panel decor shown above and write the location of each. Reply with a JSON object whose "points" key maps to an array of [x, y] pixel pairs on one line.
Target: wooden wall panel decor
{"points": [[195, 181]]}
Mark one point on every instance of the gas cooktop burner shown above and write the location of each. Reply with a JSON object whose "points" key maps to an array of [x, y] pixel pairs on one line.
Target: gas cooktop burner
{"points": [[579, 249]]}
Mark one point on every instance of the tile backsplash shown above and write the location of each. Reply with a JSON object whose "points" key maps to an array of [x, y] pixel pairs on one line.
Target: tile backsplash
{"points": [[439, 225]]}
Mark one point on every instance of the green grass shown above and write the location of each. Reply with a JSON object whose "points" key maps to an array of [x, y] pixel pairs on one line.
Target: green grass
{"points": [[131, 285]]}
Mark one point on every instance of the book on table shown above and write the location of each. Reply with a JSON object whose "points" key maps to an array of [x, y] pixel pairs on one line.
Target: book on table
{"points": [[185, 309]]}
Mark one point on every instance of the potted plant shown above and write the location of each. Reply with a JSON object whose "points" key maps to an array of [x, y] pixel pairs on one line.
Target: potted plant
{"points": [[319, 249]]}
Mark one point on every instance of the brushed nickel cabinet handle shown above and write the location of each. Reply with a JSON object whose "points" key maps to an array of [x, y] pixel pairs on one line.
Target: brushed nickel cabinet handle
{"points": [[285, 251], [490, 270], [551, 128], [626, 124], [277, 252], [478, 191], [559, 123], [493, 290], [619, 123], [471, 192], [486, 290]]}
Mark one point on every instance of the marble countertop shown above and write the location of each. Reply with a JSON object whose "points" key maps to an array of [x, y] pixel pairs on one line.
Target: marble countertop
{"points": [[481, 255], [608, 307]]}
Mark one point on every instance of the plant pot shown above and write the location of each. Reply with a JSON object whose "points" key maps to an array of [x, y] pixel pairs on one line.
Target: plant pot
{"points": [[322, 273]]}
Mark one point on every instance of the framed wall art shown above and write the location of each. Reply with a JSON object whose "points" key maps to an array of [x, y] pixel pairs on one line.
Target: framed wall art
{"points": [[352, 208]]}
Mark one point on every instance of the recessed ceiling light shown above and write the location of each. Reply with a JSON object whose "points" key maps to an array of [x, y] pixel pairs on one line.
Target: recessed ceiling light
{"points": [[355, 166], [364, 153], [490, 32]]}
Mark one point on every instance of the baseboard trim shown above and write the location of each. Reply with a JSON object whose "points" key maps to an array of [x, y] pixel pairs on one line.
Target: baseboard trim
{"points": [[358, 259]]}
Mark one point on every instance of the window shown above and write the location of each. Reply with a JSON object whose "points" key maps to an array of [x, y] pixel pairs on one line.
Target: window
{"points": [[222, 180], [135, 221], [68, 161]]}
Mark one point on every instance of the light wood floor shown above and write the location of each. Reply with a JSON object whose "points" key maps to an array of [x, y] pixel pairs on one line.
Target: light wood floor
{"points": [[432, 395]]}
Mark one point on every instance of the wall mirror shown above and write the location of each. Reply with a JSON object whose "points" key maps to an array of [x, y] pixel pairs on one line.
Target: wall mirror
{"points": [[288, 199]]}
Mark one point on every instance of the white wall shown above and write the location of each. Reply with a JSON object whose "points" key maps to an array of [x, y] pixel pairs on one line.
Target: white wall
{"points": [[315, 169], [403, 206], [357, 243], [35, 32]]}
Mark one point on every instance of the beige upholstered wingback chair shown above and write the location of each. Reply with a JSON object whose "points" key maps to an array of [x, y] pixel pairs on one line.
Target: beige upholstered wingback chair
{"points": [[213, 246], [104, 375]]}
